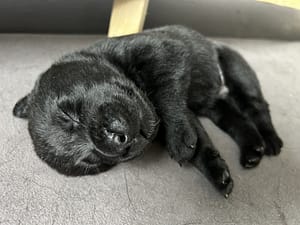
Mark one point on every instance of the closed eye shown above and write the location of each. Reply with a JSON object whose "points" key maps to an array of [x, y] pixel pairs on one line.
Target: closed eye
{"points": [[67, 118]]}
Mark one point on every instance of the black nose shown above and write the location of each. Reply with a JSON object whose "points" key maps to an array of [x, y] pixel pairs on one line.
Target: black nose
{"points": [[120, 138]]}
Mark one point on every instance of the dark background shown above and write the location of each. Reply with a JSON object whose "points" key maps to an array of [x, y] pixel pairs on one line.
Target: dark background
{"points": [[234, 18]]}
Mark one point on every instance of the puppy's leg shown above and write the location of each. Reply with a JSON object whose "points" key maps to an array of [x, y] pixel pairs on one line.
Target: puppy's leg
{"points": [[180, 134], [258, 111], [164, 73], [21, 108], [245, 89], [208, 160], [226, 114]]}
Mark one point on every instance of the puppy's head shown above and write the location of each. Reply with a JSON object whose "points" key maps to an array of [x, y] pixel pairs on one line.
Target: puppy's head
{"points": [[93, 127]]}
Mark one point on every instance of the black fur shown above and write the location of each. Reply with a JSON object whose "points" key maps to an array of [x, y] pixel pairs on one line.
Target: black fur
{"points": [[100, 106]]}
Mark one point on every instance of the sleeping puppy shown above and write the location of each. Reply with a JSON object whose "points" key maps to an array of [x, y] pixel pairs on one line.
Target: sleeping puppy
{"points": [[103, 105]]}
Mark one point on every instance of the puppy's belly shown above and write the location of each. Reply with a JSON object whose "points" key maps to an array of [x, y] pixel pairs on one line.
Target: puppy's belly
{"points": [[206, 88], [223, 92]]}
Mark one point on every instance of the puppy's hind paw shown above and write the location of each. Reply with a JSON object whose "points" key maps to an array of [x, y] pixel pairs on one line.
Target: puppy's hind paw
{"points": [[251, 157], [273, 145]]}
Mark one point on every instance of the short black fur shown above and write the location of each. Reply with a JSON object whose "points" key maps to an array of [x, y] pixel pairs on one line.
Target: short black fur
{"points": [[102, 105]]}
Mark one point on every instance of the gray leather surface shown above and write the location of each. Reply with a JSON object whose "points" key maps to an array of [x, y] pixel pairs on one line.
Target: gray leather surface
{"points": [[152, 190]]}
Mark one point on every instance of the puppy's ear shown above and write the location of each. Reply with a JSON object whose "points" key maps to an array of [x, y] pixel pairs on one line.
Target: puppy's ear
{"points": [[21, 109]]}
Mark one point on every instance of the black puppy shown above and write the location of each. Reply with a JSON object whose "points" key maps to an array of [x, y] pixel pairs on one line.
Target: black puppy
{"points": [[100, 106]]}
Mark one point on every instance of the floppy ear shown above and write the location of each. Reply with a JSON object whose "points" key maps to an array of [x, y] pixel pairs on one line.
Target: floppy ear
{"points": [[21, 109]]}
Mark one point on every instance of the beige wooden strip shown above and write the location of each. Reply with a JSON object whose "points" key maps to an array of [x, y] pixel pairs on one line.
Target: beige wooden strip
{"points": [[288, 3], [127, 17]]}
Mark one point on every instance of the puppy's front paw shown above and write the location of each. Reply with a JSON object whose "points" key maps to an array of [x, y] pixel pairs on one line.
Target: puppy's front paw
{"points": [[273, 144], [220, 175], [181, 141]]}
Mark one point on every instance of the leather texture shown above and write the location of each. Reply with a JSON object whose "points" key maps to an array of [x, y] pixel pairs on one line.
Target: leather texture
{"points": [[154, 189]]}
